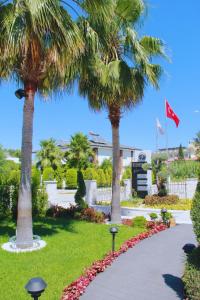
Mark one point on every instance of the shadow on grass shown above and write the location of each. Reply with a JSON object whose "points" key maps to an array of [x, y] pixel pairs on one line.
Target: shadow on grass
{"points": [[175, 283], [50, 226], [41, 226]]}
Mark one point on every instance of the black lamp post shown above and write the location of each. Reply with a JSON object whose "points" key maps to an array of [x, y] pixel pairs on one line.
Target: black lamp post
{"points": [[20, 93], [113, 231], [164, 212], [35, 287]]}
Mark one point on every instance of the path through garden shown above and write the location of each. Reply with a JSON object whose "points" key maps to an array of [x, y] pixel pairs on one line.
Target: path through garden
{"points": [[152, 270]]}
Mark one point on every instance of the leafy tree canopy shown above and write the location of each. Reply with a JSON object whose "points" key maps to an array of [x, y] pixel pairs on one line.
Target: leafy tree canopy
{"points": [[50, 155], [80, 153]]}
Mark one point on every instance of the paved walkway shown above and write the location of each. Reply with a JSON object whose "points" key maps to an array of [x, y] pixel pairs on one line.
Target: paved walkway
{"points": [[151, 270]]}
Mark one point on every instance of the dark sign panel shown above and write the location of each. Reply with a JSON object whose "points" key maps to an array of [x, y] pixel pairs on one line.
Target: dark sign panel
{"points": [[139, 179]]}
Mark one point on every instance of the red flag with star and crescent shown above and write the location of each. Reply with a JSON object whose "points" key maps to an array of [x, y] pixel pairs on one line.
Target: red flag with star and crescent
{"points": [[171, 114]]}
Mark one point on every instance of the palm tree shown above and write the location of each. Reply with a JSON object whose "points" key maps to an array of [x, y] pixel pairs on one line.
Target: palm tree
{"points": [[50, 155], [33, 35], [80, 152], [115, 71]]}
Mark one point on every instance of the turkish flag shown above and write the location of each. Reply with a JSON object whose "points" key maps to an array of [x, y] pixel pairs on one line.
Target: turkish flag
{"points": [[171, 114]]}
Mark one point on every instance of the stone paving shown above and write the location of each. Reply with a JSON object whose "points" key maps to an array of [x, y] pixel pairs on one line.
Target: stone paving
{"points": [[152, 270]]}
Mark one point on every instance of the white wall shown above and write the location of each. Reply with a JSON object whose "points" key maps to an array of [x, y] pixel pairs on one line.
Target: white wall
{"points": [[104, 154]]}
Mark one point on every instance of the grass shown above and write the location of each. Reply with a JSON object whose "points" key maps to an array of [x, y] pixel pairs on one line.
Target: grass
{"points": [[71, 247]]}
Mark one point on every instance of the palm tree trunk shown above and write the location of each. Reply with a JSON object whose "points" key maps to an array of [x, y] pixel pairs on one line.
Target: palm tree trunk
{"points": [[24, 232], [114, 116]]}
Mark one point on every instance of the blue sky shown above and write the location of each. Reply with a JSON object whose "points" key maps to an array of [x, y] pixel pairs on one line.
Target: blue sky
{"points": [[178, 24]]}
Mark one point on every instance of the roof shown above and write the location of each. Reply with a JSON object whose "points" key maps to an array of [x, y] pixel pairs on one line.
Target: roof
{"points": [[96, 141]]}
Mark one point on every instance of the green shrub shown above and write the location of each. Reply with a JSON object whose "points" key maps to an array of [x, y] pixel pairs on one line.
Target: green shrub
{"points": [[59, 175], [153, 216], [140, 222], [195, 212], [90, 174], [180, 170], [156, 200], [71, 178], [101, 179], [48, 174], [166, 216], [127, 173], [81, 191], [191, 278]]}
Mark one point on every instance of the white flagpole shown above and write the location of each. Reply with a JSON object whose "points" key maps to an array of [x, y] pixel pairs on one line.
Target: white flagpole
{"points": [[167, 141]]}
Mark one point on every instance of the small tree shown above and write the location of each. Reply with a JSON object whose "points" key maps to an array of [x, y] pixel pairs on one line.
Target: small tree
{"points": [[180, 153], [81, 191], [197, 145]]}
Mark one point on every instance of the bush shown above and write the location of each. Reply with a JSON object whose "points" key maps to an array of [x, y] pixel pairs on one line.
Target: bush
{"points": [[71, 178], [48, 174], [191, 278], [90, 215], [90, 174], [156, 200], [127, 173], [101, 179], [140, 222], [195, 212], [59, 175], [60, 212], [153, 216], [81, 191], [180, 170]]}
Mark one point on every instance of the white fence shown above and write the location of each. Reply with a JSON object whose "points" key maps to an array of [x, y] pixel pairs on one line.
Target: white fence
{"points": [[184, 189], [64, 197]]}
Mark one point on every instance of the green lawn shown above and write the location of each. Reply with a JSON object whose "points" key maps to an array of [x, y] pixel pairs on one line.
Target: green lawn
{"points": [[71, 246]]}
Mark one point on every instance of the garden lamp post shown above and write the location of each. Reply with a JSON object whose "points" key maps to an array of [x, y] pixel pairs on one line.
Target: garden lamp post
{"points": [[35, 287], [113, 231], [164, 213]]}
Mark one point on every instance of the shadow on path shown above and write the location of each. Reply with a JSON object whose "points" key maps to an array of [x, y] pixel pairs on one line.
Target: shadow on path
{"points": [[174, 283]]}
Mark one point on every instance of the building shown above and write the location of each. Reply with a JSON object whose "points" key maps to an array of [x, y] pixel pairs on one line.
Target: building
{"points": [[103, 150], [172, 152]]}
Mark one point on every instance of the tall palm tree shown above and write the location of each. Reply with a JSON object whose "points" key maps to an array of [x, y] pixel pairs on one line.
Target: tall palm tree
{"points": [[79, 152], [116, 69], [33, 35], [50, 155]]}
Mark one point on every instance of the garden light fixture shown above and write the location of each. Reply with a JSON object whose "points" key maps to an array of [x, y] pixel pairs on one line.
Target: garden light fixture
{"points": [[163, 214], [20, 93], [113, 231], [35, 287], [188, 248]]}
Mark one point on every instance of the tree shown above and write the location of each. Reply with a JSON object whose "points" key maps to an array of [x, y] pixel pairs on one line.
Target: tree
{"points": [[106, 164], [80, 153], [115, 71], [197, 145], [50, 155], [180, 153], [2, 158], [35, 37]]}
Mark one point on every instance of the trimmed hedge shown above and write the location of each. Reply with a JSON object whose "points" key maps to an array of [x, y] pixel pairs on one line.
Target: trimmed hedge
{"points": [[48, 174], [195, 212], [191, 278], [71, 178], [156, 200]]}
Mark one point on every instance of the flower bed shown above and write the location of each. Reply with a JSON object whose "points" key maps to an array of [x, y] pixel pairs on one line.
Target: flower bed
{"points": [[78, 287]]}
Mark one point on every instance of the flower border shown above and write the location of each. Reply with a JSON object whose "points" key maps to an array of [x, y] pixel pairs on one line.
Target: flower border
{"points": [[78, 287]]}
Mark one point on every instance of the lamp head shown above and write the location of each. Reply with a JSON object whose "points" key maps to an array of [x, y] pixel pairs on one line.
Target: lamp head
{"points": [[163, 210], [36, 286], [20, 93], [113, 230]]}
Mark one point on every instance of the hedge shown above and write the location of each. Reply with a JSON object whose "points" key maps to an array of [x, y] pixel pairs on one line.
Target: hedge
{"points": [[195, 212], [71, 178]]}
